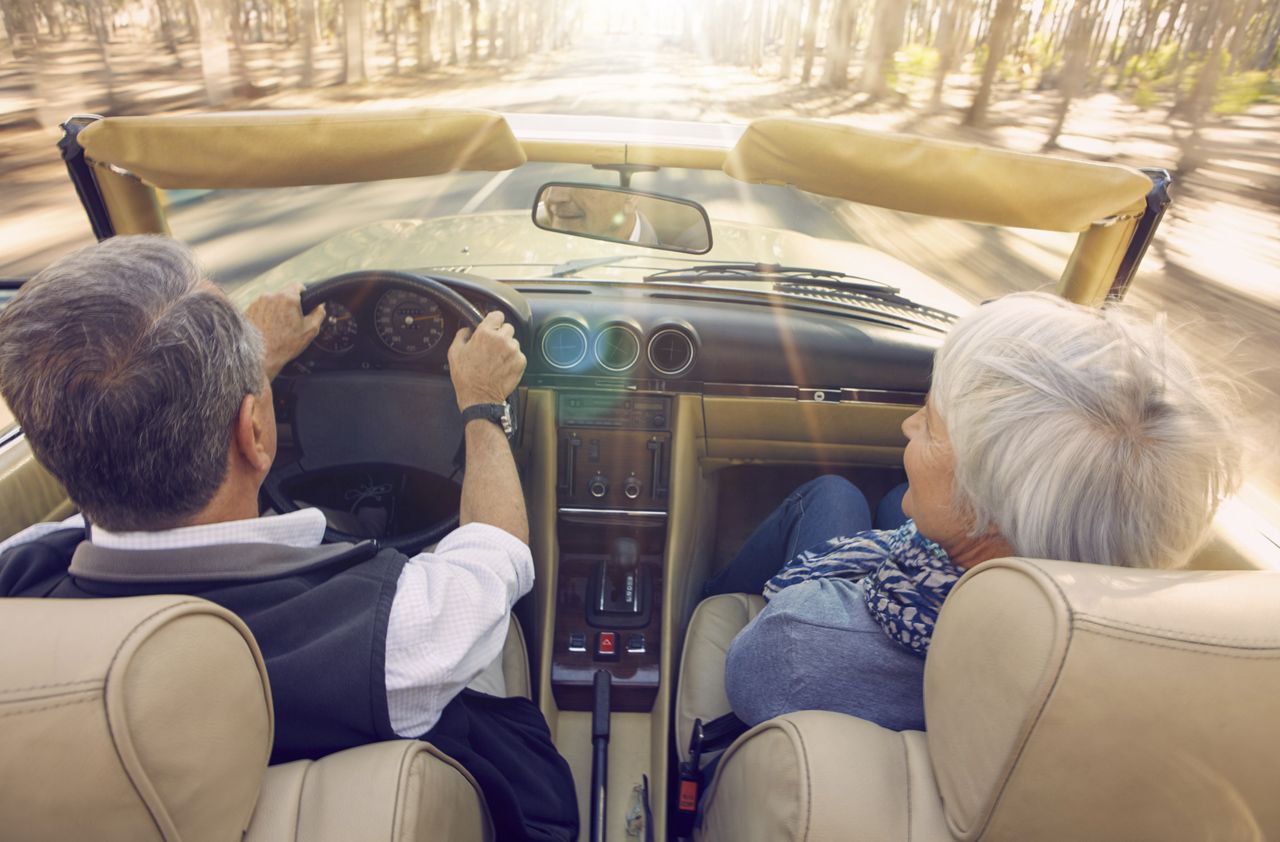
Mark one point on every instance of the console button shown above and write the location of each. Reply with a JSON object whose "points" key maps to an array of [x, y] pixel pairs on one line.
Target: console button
{"points": [[635, 644], [577, 642], [607, 646]]}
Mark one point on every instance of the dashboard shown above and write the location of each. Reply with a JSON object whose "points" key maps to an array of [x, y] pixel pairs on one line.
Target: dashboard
{"points": [[629, 336], [368, 429]]}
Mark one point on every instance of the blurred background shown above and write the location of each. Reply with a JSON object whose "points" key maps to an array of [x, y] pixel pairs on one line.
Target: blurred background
{"points": [[1190, 85]]}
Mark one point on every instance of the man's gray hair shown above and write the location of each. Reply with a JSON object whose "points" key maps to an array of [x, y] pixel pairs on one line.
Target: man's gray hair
{"points": [[1083, 434], [126, 370]]}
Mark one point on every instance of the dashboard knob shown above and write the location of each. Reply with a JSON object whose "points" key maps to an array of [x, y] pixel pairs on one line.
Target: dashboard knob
{"points": [[631, 487], [598, 487]]}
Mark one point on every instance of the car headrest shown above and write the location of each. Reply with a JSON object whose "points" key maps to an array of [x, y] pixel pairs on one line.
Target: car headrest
{"points": [[1119, 703], [142, 718]]}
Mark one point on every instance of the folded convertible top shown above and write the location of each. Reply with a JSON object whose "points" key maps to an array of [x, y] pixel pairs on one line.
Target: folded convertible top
{"points": [[936, 177], [250, 149]]}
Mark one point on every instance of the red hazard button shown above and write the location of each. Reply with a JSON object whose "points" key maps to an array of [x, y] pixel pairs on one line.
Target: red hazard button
{"points": [[607, 645]]}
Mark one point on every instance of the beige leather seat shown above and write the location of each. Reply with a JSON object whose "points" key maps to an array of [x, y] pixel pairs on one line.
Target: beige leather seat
{"points": [[150, 718], [1064, 702]]}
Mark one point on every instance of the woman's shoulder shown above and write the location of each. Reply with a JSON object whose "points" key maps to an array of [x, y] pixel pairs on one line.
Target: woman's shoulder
{"points": [[826, 602]]}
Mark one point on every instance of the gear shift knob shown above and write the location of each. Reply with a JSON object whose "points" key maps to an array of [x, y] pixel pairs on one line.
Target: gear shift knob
{"points": [[625, 553]]}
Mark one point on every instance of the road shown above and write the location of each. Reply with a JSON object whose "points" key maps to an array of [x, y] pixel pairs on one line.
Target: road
{"points": [[1213, 268]]}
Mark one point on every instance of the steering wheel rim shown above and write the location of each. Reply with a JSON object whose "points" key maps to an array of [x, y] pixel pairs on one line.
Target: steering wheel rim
{"points": [[466, 313]]}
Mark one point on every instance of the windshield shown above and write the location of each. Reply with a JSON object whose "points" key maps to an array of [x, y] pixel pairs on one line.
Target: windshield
{"points": [[480, 222]]}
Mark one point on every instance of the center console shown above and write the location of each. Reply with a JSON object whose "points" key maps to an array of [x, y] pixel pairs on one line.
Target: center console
{"points": [[614, 453]]}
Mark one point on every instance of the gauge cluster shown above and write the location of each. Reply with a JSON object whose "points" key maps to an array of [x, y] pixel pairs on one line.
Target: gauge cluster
{"points": [[617, 346], [383, 327]]}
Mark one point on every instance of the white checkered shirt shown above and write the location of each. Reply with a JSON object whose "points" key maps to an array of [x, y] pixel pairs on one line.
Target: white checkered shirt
{"points": [[448, 619]]}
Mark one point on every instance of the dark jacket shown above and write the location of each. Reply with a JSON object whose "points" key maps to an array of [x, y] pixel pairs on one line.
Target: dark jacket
{"points": [[313, 610]]}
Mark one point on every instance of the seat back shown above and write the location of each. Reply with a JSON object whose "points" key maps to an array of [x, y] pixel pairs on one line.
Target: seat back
{"points": [[1071, 700], [146, 718]]}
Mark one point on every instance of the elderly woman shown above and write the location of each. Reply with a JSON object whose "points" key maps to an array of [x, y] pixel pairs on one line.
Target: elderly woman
{"points": [[1051, 431]]}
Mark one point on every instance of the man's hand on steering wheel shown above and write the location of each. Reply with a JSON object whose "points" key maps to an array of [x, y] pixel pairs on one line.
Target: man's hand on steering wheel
{"points": [[286, 332], [485, 365]]}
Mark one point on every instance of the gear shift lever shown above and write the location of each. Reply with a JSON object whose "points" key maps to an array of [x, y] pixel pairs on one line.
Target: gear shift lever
{"points": [[619, 593], [625, 553]]}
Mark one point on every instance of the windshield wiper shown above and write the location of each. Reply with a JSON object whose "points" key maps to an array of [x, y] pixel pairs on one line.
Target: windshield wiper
{"points": [[790, 275], [573, 267]]}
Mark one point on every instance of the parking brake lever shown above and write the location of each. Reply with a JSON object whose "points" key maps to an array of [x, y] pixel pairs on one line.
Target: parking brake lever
{"points": [[599, 753]]}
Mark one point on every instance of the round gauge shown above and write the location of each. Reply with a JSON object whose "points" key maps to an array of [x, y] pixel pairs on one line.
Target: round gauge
{"points": [[617, 348], [564, 345], [670, 352], [408, 323], [338, 330]]}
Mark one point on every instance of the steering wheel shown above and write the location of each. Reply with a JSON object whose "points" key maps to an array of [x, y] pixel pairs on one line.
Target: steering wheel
{"points": [[395, 420]]}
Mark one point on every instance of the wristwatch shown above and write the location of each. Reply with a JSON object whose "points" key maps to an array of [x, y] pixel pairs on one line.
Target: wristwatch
{"points": [[498, 413]]}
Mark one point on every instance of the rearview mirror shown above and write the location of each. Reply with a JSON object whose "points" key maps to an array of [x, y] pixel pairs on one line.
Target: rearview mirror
{"points": [[619, 215]]}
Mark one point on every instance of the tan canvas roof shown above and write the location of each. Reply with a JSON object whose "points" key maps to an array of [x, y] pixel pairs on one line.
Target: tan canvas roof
{"points": [[287, 149], [935, 177]]}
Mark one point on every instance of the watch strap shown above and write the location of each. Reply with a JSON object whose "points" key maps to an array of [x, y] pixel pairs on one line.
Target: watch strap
{"points": [[498, 413]]}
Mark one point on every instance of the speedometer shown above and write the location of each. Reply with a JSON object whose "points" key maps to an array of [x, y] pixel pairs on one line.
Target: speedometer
{"points": [[408, 323]]}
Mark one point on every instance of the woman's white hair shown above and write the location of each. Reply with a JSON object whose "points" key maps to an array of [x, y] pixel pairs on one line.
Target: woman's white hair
{"points": [[1083, 434]]}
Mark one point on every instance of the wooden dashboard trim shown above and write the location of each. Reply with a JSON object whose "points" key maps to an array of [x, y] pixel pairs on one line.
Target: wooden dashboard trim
{"points": [[817, 394]]}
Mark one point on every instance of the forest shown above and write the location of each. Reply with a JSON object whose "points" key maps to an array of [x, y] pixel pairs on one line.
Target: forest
{"points": [[1193, 56]]}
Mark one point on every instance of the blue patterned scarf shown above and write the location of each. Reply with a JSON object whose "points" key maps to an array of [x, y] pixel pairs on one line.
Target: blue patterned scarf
{"points": [[905, 578]]}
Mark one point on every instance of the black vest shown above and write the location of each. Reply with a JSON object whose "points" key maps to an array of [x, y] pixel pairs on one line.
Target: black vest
{"points": [[320, 618]]}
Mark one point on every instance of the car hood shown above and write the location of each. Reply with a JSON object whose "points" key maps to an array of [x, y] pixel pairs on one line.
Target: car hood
{"points": [[505, 245]]}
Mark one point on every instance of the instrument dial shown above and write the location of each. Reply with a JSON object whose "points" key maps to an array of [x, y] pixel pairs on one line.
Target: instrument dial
{"points": [[338, 330], [408, 323]]}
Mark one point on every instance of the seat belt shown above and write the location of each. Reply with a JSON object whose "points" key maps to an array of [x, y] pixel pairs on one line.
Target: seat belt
{"points": [[716, 735]]}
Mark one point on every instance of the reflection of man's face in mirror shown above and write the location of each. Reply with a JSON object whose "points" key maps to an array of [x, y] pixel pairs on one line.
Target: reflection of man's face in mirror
{"points": [[600, 212]]}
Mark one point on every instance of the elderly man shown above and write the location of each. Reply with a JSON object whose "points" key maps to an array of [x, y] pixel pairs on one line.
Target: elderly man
{"points": [[148, 394], [596, 212]]}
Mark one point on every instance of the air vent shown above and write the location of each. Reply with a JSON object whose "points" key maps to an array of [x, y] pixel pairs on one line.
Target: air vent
{"points": [[617, 348], [670, 352], [564, 345]]}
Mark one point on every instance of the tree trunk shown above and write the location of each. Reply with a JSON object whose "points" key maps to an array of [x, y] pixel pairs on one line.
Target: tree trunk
{"points": [[947, 38], [886, 37], [215, 59], [790, 25], [1203, 42], [1206, 85], [101, 29], [453, 28], [1236, 45], [167, 34], [835, 64], [1000, 26], [308, 27], [1074, 66], [425, 12], [491, 50], [810, 40], [397, 14], [239, 64], [473, 12], [754, 53], [1268, 49], [355, 69]]}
